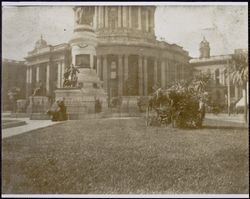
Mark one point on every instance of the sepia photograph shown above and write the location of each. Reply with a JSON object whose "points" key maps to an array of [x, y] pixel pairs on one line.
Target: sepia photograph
{"points": [[115, 99]]}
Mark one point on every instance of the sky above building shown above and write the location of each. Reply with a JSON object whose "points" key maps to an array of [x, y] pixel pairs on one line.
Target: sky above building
{"points": [[224, 26]]}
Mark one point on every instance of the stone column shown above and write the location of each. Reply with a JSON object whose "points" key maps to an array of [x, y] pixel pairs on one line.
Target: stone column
{"points": [[98, 63], [91, 62], [106, 17], [125, 80], [236, 92], [163, 74], [99, 17], [62, 73], [228, 90], [27, 82], [145, 70], [37, 74], [124, 17], [167, 73], [48, 79], [140, 70], [119, 16], [120, 76], [125, 68], [95, 18], [105, 72], [129, 17], [147, 20], [27, 75], [155, 71], [30, 77], [59, 70], [139, 17], [151, 12]]}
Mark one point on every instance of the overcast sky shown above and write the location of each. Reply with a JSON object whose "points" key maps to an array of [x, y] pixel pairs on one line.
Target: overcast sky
{"points": [[225, 27]]}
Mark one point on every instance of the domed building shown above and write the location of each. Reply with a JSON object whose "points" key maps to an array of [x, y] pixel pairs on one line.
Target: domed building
{"points": [[46, 64], [116, 43]]}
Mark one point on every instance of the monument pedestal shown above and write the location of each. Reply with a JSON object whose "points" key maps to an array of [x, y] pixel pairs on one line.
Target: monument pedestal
{"points": [[38, 107], [80, 102]]}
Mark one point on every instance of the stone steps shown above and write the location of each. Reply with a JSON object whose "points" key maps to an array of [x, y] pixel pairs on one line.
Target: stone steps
{"points": [[13, 123]]}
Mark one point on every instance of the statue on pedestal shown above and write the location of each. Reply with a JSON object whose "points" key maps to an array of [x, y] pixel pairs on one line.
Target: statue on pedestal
{"points": [[38, 89], [84, 15], [70, 77]]}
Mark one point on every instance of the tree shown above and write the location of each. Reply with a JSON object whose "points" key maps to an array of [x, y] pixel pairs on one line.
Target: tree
{"points": [[13, 94], [239, 75]]}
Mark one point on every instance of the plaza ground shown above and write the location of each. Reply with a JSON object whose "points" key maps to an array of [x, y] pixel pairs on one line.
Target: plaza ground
{"points": [[123, 156]]}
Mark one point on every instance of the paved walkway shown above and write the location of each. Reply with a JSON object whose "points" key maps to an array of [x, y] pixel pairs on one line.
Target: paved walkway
{"points": [[239, 118], [31, 125]]}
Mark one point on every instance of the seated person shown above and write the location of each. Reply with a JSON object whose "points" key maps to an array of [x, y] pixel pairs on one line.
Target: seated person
{"points": [[58, 111]]}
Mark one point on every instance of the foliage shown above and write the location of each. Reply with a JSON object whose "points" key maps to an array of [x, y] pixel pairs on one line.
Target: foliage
{"points": [[142, 102], [239, 75], [183, 104], [239, 69]]}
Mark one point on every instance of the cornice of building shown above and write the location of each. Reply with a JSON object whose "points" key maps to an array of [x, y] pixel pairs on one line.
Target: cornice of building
{"points": [[211, 59], [5, 60]]}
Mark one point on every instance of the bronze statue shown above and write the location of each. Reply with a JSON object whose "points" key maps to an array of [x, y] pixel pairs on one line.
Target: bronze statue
{"points": [[84, 15], [70, 76], [38, 89]]}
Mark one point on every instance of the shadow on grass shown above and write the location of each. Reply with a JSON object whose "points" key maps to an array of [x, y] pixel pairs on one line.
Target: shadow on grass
{"points": [[225, 127]]}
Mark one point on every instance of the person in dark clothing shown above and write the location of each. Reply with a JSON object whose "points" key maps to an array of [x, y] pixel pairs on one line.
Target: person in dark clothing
{"points": [[58, 111], [62, 114]]}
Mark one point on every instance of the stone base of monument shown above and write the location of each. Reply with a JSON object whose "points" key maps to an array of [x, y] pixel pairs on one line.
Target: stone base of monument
{"points": [[129, 104], [39, 116], [38, 107], [80, 103], [21, 105]]}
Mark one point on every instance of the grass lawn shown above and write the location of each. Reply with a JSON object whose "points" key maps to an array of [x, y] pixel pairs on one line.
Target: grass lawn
{"points": [[123, 156]]}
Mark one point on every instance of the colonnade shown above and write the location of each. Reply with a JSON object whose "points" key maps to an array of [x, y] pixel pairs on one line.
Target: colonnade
{"points": [[164, 71], [124, 17], [30, 80]]}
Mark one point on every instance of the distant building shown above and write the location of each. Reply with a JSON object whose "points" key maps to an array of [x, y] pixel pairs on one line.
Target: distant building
{"points": [[46, 63], [217, 66]]}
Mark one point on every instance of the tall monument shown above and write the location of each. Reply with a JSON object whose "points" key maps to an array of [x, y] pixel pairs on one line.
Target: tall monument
{"points": [[81, 97]]}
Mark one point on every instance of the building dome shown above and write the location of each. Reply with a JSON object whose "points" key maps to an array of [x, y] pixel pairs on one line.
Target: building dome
{"points": [[41, 43]]}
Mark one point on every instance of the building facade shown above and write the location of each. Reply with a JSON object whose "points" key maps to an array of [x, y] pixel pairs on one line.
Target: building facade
{"points": [[130, 60], [221, 89], [46, 64], [119, 44]]}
